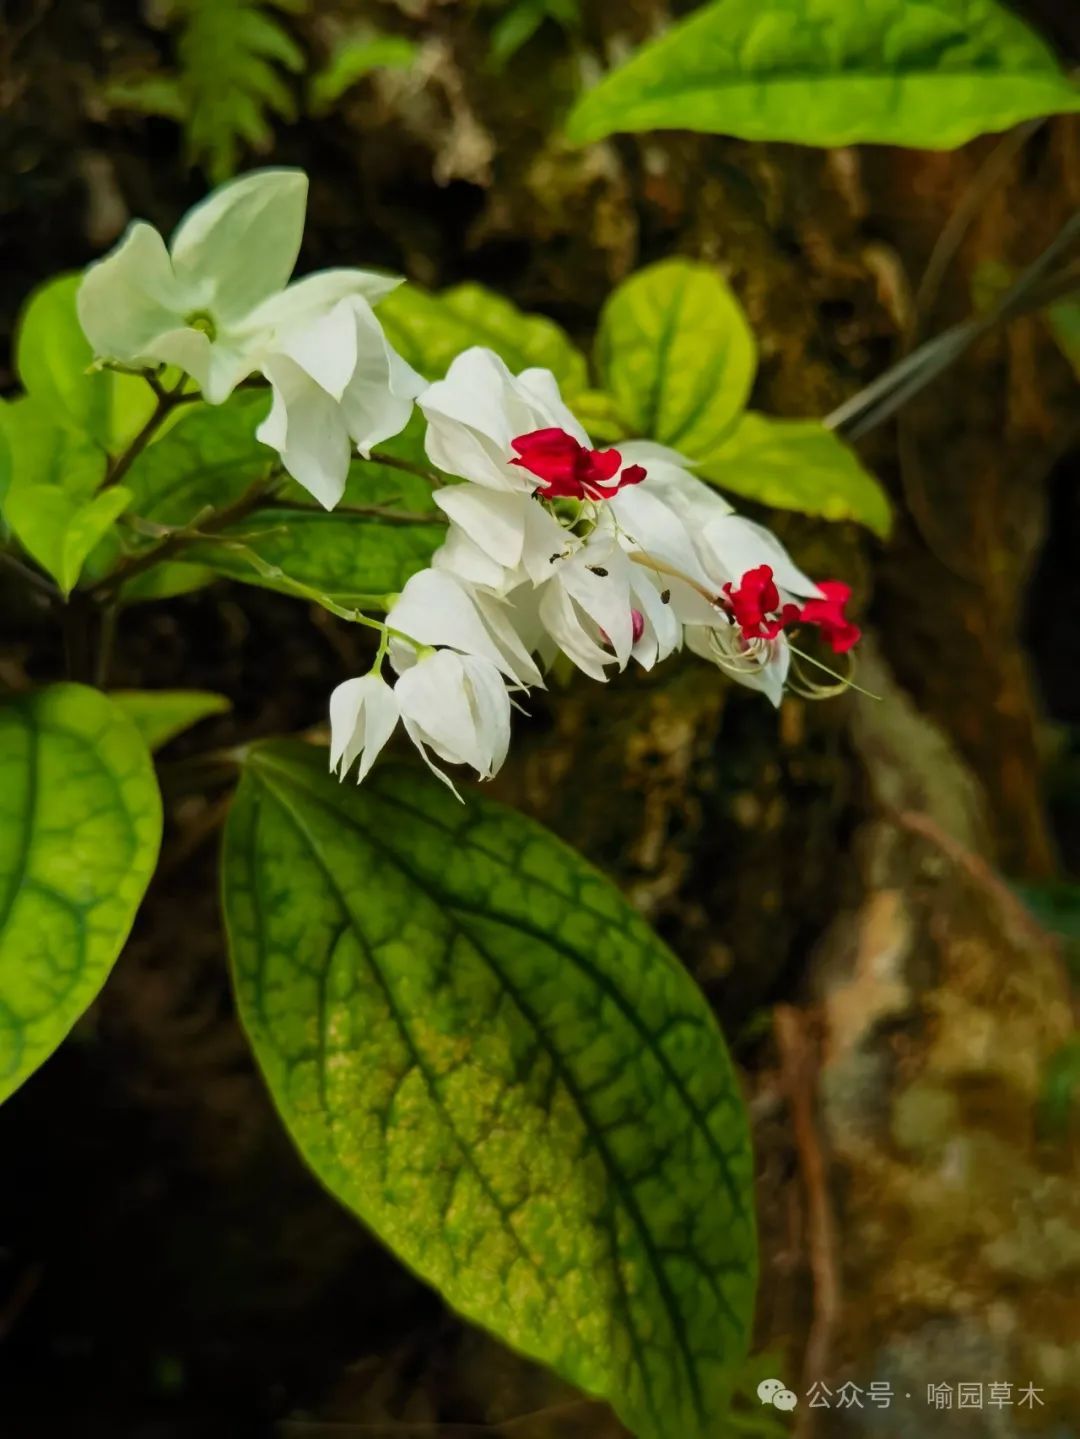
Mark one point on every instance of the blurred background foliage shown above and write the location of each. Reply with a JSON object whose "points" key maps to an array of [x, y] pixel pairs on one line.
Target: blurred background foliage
{"points": [[879, 897]]}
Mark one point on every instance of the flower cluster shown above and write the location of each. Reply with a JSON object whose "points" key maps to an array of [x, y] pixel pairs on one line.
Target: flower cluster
{"points": [[553, 547]]}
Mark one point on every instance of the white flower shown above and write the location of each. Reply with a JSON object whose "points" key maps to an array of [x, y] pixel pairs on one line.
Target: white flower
{"points": [[216, 305], [337, 382], [215, 301], [436, 608], [457, 706], [480, 408], [700, 547], [363, 715]]}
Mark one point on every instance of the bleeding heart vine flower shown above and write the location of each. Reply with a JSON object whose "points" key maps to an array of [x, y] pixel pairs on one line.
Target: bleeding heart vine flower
{"points": [[454, 705], [556, 547], [217, 304]]}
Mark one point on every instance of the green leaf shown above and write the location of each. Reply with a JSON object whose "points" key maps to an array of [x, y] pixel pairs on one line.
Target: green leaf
{"points": [[798, 465], [60, 531], [80, 826], [231, 55], [353, 57], [54, 361], [834, 72], [485, 1054], [677, 355], [341, 557], [161, 715], [53, 504], [429, 330], [147, 95]]}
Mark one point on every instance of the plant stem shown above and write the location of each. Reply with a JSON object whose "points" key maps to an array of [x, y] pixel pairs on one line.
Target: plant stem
{"points": [[109, 587], [1037, 287], [373, 512], [167, 401], [393, 463], [41, 583]]}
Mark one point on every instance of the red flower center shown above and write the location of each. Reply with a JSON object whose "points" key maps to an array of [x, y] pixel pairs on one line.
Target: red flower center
{"points": [[570, 471], [755, 606]]}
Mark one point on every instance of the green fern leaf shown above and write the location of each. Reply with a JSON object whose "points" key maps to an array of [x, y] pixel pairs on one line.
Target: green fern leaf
{"points": [[233, 57]]}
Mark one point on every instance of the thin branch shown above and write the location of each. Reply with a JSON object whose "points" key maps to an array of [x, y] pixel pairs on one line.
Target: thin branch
{"points": [[1038, 286], [167, 401], [177, 540], [377, 457], [39, 582], [370, 512]]}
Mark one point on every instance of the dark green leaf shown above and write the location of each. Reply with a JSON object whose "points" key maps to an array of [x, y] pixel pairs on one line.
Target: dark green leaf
{"points": [[835, 72], [677, 355], [488, 1056], [80, 826], [798, 465]]}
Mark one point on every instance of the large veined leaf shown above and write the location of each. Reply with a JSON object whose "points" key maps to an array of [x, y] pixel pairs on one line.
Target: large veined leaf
{"points": [[676, 354], [80, 826], [927, 73], [55, 364], [484, 1052], [798, 465], [341, 557], [429, 330]]}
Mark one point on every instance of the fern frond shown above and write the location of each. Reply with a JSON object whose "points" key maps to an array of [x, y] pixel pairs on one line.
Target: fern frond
{"points": [[232, 57]]}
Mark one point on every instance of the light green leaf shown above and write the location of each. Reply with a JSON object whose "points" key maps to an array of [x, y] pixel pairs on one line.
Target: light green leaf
{"points": [[53, 504], [484, 1052], [677, 355], [80, 826], [147, 95], [54, 361], [161, 715], [59, 530], [932, 74], [353, 57], [342, 557], [798, 465], [429, 330]]}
